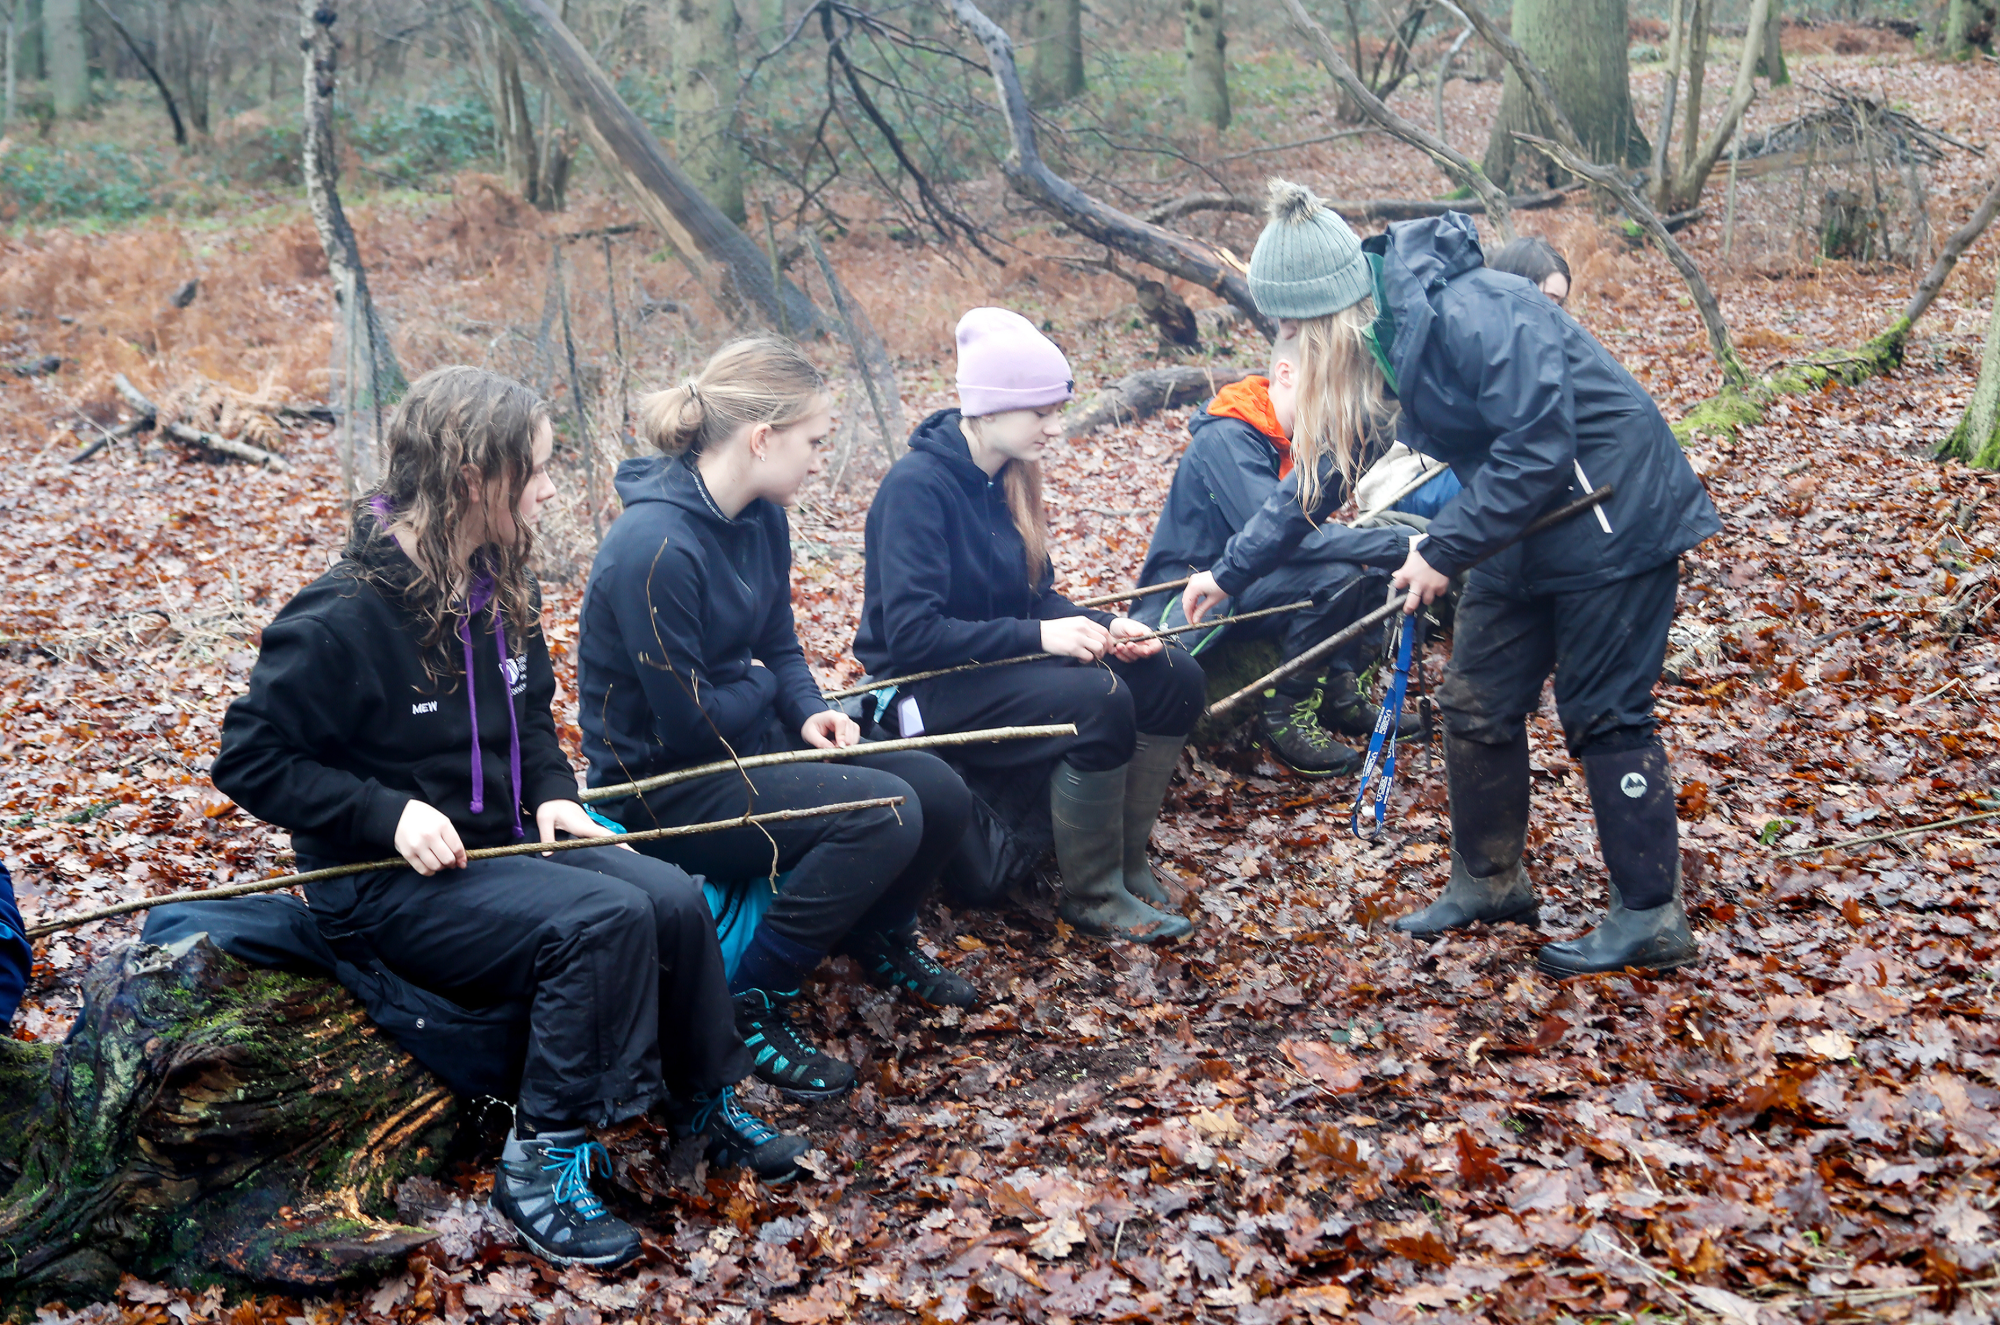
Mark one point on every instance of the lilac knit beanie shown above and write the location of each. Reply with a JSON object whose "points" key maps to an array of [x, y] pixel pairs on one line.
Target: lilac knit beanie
{"points": [[1004, 363]]}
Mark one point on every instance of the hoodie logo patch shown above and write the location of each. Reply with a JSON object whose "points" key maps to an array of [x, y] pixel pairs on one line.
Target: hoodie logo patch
{"points": [[516, 672], [430, 706]]}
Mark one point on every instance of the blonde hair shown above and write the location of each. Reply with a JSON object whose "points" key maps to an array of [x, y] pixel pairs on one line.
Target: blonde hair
{"points": [[1021, 480], [1340, 394], [753, 380]]}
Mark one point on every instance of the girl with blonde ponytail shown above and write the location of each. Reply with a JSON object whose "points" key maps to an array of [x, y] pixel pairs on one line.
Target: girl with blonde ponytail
{"points": [[1531, 413], [959, 571], [687, 654]]}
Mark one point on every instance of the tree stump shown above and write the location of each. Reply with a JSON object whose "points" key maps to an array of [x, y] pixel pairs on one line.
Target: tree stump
{"points": [[203, 1118]]}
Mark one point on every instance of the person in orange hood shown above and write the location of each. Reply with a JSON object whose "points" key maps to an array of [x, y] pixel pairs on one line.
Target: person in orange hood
{"points": [[1240, 451]]}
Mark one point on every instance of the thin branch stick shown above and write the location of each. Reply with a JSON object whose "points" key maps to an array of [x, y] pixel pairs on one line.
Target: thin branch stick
{"points": [[1395, 604], [484, 853], [1449, 159], [679, 775], [1947, 258], [1883, 837], [1168, 633], [1143, 591]]}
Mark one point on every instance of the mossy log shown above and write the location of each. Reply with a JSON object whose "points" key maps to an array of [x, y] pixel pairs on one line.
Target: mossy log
{"points": [[1229, 666], [208, 1119]]}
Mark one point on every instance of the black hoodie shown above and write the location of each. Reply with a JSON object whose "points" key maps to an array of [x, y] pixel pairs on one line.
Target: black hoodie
{"points": [[947, 579], [682, 605], [1524, 404], [342, 726]]}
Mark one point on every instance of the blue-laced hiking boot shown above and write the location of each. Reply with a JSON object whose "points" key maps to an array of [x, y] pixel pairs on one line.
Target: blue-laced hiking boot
{"points": [[893, 960], [543, 1188], [783, 1055], [735, 1136]]}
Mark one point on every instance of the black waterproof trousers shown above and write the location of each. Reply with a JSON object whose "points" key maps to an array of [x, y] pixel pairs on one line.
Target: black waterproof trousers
{"points": [[1110, 702], [1346, 592], [613, 954], [1605, 646], [866, 869]]}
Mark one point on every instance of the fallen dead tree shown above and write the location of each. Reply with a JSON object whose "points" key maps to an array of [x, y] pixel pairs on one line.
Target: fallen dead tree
{"points": [[149, 413], [1353, 209], [1142, 394]]}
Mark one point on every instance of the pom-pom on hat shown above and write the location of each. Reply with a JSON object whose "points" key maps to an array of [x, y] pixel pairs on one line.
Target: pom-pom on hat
{"points": [[1005, 363], [1308, 262]]}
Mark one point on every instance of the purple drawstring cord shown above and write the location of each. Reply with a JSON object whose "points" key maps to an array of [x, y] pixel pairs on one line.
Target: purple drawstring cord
{"points": [[481, 594]]}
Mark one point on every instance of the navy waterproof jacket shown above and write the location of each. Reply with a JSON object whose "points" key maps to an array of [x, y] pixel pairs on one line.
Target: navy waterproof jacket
{"points": [[1226, 475], [1527, 408], [947, 579], [687, 639]]}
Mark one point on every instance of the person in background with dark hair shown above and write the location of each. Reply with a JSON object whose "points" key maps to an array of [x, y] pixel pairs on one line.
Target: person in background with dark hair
{"points": [[1535, 260], [402, 702]]}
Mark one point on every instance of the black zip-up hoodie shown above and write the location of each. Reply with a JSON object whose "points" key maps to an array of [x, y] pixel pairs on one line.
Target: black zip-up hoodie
{"points": [[682, 606], [342, 726], [1525, 406], [947, 578]]}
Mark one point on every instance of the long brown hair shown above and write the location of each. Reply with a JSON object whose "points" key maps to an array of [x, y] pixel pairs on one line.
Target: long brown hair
{"points": [[451, 418], [1341, 395], [756, 379], [1021, 480]]}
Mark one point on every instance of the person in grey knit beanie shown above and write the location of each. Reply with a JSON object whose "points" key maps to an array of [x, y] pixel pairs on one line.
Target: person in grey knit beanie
{"points": [[1308, 262]]}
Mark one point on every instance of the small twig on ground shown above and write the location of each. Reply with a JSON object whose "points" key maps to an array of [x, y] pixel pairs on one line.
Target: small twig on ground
{"points": [[1883, 837]]}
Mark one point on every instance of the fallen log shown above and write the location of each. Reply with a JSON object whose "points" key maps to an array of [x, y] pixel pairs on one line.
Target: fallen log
{"points": [[180, 432], [205, 1117], [1146, 393], [1353, 209]]}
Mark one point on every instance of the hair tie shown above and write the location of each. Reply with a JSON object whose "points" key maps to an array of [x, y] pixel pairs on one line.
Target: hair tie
{"points": [[694, 394]]}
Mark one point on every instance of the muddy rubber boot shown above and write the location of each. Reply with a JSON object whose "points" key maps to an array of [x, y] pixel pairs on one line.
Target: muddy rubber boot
{"points": [[1489, 831], [1146, 779], [1088, 813], [1506, 896], [1346, 712], [1632, 795]]}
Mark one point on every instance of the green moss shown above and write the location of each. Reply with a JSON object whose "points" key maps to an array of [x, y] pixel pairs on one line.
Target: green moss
{"points": [[1720, 416]]}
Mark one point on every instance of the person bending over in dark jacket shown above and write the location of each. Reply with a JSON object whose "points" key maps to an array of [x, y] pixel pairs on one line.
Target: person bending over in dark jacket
{"points": [[1241, 449], [401, 703], [1531, 412], [959, 572], [687, 655]]}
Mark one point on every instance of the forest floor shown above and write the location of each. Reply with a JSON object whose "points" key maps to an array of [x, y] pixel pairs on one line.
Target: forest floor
{"points": [[1295, 1112]]}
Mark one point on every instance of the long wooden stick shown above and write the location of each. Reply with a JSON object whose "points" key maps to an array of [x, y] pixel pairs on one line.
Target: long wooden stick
{"points": [[1325, 647], [1168, 633], [1883, 837], [644, 785], [484, 853]]}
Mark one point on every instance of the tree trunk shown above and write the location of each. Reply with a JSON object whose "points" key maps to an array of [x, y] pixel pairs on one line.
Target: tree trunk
{"points": [[197, 1113], [28, 13], [1055, 57], [1581, 43], [1977, 437], [62, 40], [1956, 43], [666, 196], [1207, 69], [1695, 40], [705, 74], [1771, 64], [374, 380]]}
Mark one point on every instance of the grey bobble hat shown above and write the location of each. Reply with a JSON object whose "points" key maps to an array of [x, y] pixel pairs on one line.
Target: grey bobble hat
{"points": [[1308, 262]]}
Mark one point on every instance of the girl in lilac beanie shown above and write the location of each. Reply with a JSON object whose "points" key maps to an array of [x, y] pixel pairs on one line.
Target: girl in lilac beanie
{"points": [[959, 571]]}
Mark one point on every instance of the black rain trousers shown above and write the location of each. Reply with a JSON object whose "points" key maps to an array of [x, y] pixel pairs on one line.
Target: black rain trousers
{"points": [[613, 953]]}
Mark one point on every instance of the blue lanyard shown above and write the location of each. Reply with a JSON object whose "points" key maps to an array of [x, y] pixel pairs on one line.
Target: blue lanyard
{"points": [[1382, 743]]}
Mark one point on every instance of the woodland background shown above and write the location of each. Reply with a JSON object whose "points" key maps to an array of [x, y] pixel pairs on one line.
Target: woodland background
{"points": [[1295, 1114]]}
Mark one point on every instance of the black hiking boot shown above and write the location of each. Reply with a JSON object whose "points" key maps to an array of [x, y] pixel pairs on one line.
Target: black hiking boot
{"points": [[1346, 712], [543, 1189], [892, 960], [1291, 730], [737, 1137], [783, 1055]]}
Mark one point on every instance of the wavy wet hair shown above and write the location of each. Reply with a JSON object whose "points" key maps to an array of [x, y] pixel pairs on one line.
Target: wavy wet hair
{"points": [[453, 418]]}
